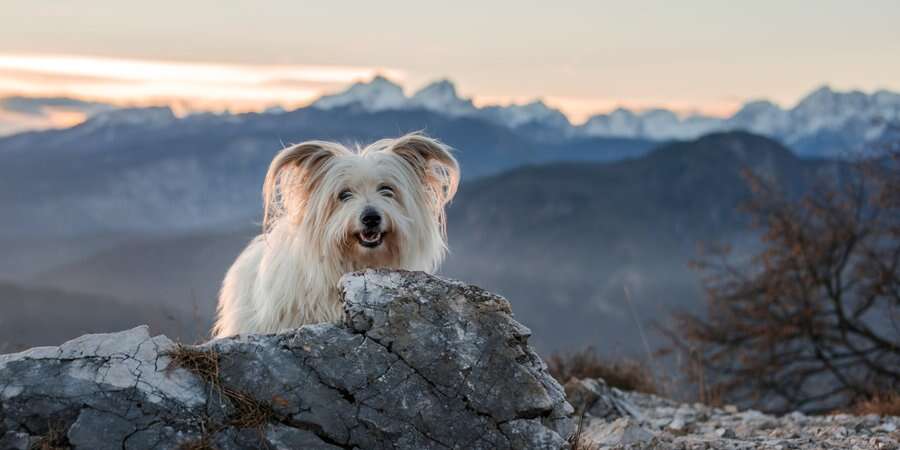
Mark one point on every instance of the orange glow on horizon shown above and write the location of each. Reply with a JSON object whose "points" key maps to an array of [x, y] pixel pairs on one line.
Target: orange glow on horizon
{"points": [[218, 87], [579, 110], [184, 86]]}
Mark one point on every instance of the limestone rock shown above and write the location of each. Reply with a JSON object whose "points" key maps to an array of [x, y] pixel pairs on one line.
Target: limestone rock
{"points": [[419, 362]]}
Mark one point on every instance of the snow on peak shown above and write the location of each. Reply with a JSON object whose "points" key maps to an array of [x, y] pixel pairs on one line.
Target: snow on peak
{"points": [[534, 112], [825, 101], [657, 124], [379, 94], [853, 114], [760, 116], [151, 116], [820, 123], [441, 97], [619, 123]]}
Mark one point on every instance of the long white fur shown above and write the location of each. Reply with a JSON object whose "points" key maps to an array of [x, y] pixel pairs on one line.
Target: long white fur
{"points": [[288, 275]]}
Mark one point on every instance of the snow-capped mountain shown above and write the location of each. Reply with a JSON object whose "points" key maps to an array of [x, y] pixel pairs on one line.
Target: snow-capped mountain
{"points": [[824, 123], [153, 116], [533, 113], [762, 117], [441, 97], [851, 113], [380, 94], [656, 124]]}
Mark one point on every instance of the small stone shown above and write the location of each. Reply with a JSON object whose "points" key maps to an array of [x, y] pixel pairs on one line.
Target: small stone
{"points": [[621, 432], [15, 440], [726, 433], [677, 424]]}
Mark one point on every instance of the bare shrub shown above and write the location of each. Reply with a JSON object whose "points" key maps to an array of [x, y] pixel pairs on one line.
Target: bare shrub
{"points": [[811, 321], [625, 374]]}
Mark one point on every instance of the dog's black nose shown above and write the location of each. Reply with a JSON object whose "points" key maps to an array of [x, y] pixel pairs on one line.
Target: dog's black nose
{"points": [[370, 218]]}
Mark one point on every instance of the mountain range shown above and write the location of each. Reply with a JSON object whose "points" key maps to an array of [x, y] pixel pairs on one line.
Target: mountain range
{"points": [[147, 171], [824, 123], [143, 211], [562, 240]]}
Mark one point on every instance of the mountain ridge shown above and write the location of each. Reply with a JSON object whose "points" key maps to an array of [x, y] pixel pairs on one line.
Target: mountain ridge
{"points": [[562, 239], [804, 127], [825, 122]]}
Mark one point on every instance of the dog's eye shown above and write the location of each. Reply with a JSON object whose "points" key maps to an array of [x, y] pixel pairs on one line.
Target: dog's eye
{"points": [[386, 191], [345, 195]]}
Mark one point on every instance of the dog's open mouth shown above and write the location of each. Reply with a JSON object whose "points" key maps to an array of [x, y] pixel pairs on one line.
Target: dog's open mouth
{"points": [[370, 238]]}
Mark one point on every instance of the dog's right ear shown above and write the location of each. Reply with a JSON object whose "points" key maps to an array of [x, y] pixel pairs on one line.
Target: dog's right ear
{"points": [[293, 168]]}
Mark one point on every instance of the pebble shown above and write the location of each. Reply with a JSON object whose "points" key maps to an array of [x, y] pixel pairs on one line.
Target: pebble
{"points": [[665, 424]]}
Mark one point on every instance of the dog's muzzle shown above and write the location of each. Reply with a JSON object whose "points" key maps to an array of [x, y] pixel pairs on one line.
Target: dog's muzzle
{"points": [[371, 235]]}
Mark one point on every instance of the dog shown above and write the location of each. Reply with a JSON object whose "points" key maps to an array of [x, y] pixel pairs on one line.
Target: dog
{"points": [[329, 210]]}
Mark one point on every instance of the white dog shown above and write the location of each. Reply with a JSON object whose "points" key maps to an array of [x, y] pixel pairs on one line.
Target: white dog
{"points": [[329, 211]]}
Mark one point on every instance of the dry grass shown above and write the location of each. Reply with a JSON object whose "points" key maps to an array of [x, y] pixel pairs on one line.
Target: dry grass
{"points": [[578, 441], [248, 411], [627, 375], [202, 443], [55, 439], [203, 363], [883, 404]]}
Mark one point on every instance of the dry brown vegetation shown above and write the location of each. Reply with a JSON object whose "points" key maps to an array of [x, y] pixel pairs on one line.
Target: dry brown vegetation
{"points": [[578, 441], [248, 411], [625, 374], [812, 322], [882, 403], [54, 439]]}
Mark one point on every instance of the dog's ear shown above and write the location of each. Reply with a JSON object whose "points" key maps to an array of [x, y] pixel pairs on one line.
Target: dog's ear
{"points": [[433, 162], [294, 167]]}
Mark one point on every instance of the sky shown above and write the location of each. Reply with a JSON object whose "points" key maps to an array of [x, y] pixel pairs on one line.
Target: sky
{"points": [[583, 57]]}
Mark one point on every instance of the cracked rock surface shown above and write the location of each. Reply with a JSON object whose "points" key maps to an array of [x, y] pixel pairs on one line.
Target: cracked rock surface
{"points": [[419, 362]]}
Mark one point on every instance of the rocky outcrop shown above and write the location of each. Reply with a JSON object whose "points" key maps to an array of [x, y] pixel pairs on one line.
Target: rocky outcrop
{"points": [[419, 362], [613, 419]]}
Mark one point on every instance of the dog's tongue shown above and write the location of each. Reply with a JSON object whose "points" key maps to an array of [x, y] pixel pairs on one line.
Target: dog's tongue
{"points": [[370, 236]]}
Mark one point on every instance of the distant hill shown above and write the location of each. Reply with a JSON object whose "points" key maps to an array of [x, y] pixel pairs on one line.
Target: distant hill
{"points": [[146, 171], [562, 241], [33, 316], [181, 273]]}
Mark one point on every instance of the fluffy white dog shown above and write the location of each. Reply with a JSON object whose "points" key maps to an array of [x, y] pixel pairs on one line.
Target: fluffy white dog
{"points": [[329, 211]]}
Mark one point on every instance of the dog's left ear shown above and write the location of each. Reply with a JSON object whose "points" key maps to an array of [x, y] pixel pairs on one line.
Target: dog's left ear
{"points": [[433, 162]]}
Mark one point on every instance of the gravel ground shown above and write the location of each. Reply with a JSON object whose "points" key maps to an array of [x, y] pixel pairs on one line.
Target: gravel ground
{"points": [[629, 420]]}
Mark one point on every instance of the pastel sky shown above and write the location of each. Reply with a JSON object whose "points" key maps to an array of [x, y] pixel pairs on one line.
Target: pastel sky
{"points": [[583, 57]]}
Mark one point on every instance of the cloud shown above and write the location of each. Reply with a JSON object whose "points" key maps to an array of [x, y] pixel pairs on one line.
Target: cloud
{"points": [[43, 106], [70, 84], [35, 113]]}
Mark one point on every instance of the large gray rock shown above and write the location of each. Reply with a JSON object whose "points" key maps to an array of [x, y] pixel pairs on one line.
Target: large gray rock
{"points": [[419, 362]]}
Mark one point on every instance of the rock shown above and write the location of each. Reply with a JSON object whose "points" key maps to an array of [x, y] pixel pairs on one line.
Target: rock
{"points": [[726, 433], [419, 362], [677, 424], [668, 425], [620, 432], [595, 399]]}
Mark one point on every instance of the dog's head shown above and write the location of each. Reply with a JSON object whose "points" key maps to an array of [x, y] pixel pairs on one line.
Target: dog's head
{"points": [[382, 206]]}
